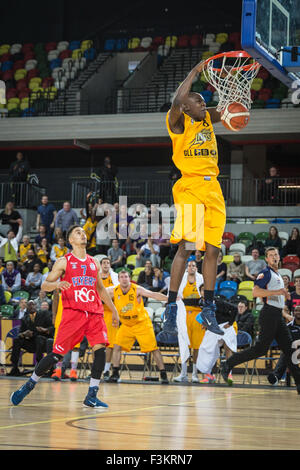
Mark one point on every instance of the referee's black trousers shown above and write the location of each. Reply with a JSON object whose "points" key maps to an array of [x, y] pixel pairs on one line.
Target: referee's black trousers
{"points": [[272, 326]]}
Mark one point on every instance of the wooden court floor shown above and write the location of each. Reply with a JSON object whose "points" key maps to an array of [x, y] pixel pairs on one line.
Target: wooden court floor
{"points": [[150, 417]]}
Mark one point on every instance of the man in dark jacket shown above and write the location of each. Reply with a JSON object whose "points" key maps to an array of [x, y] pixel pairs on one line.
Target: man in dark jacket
{"points": [[36, 327], [245, 319], [107, 174], [19, 169]]}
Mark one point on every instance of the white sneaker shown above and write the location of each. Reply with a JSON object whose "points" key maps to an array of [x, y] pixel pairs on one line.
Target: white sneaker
{"points": [[195, 379], [181, 378]]}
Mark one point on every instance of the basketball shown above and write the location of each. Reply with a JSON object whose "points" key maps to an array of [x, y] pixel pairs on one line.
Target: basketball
{"points": [[235, 116]]}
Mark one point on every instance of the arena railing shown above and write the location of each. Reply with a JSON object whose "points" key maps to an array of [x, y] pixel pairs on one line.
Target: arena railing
{"points": [[24, 195], [237, 192]]}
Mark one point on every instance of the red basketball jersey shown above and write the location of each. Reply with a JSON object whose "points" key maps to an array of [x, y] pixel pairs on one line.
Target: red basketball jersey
{"points": [[82, 295]]}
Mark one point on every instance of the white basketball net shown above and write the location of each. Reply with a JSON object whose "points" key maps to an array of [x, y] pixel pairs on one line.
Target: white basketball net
{"points": [[232, 79]]}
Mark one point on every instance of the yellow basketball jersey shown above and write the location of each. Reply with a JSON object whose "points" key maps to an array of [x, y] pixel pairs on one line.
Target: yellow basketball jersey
{"points": [[130, 310], [107, 282], [195, 151], [190, 291]]}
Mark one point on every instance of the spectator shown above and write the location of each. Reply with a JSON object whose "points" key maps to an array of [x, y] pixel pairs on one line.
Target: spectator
{"points": [[21, 309], [254, 266], [49, 266], [57, 235], [145, 278], [292, 246], [42, 234], [24, 247], [34, 280], [107, 174], [103, 239], [116, 255], [269, 189], [143, 236], [43, 251], [148, 251], [245, 319], [287, 285], [9, 216], [9, 246], [11, 278], [28, 265], [46, 215], [295, 296], [90, 227], [19, 169], [221, 268], [35, 328], [163, 243], [274, 239], [42, 297], [236, 269], [159, 280], [66, 217], [123, 221], [58, 250], [45, 307], [198, 261]]}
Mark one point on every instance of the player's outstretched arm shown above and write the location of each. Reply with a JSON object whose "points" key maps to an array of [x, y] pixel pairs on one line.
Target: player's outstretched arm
{"points": [[175, 114], [52, 282], [106, 295], [153, 295]]}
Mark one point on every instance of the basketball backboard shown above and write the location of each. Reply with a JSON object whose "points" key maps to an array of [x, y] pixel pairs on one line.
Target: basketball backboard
{"points": [[268, 26]]}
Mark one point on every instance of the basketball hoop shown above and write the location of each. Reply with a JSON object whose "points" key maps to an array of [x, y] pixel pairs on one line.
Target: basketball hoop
{"points": [[231, 74]]}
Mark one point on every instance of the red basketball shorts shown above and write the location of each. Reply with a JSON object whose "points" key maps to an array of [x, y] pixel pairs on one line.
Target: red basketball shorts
{"points": [[74, 325]]}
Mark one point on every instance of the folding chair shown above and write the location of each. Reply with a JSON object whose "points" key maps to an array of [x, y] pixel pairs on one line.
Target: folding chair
{"points": [[84, 363], [268, 357], [170, 351], [145, 357], [5, 351]]}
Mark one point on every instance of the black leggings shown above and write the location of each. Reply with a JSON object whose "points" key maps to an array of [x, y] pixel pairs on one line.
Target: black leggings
{"points": [[272, 326]]}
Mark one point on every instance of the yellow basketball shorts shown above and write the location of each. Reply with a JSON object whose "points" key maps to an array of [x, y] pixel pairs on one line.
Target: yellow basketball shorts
{"points": [[142, 332], [195, 331], [111, 330], [201, 213]]}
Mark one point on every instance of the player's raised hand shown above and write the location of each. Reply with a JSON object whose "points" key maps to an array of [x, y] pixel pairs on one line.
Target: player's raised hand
{"points": [[199, 67], [63, 285]]}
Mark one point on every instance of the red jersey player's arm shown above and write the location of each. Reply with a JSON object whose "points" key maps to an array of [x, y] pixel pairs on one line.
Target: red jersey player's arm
{"points": [[141, 291], [106, 297], [52, 282]]}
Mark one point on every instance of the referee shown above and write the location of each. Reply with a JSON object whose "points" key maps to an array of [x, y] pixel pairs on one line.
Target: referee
{"points": [[268, 285]]}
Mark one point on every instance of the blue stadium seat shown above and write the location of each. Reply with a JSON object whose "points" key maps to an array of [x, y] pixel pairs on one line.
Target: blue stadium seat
{"points": [[109, 44], [121, 44], [74, 45], [278, 221], [228, 289], [294, 221], [90, 54]]}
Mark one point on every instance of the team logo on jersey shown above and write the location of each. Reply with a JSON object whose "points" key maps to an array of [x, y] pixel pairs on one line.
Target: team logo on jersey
{"points": [[93, 267], [201, 137], [74, 265], [260, 276], [84, 295]]}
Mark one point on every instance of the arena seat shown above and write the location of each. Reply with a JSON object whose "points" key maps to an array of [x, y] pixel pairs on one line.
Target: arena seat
{"points": [[286, 272], [284, 237], [131, 259], [262, 236], [296, 273], [291, 262], [227, 259], [228, 289], [246, 288], [294, 221], [261, 221], [278, 221], [246, 258], [245, 236], [237, 248]]}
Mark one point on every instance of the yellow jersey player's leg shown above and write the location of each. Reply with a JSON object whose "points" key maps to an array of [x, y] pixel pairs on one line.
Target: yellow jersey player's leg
{"points": [[199, 201], [135, 323]]}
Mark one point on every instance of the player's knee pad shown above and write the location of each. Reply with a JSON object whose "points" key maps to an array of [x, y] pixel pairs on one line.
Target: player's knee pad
{"points": [[46, 363], [98, 364]]}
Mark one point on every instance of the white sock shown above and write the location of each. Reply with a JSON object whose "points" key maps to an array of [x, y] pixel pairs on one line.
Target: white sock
{"points": [[35, 377], [195, 371], [94, 382], [74, 359], [184, 368], [107, 367]]}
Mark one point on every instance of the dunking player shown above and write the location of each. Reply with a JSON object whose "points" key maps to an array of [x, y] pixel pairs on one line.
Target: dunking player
{"points": [[195, 154], [77, 275]]}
